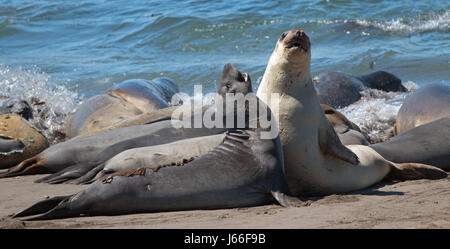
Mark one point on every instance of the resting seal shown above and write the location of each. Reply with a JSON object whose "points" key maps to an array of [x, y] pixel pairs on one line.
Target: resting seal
{"points": [[316, 162], [428, 143], [19, 140], [232, 81], [428, 103], [122, 102], [339, 89], [243, 170]]}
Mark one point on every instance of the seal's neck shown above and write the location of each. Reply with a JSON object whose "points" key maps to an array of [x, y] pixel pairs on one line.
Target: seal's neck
{"points": [[286, 78]]}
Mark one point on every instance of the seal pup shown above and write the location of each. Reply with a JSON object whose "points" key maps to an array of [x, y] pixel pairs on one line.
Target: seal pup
{"points": [[338, 89], [428, 143], [316, 162], [19, 140], [428, 103], [244, 170], [347, 131], [122, 102], [232, 81]]}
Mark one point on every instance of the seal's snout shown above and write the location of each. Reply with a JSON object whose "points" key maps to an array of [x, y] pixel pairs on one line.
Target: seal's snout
{"points": [[295, 39]]}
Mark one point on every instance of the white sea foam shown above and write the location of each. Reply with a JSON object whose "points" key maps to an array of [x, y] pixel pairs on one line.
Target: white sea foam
{"points": [[51, 101], [437, 21], [377, 110], [407, 25]]}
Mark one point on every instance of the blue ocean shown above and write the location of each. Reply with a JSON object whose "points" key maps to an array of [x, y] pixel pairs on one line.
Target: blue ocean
{"points": [[62, 52]]}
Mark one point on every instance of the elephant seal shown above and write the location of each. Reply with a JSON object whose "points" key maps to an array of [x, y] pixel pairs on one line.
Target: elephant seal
{"points": [[122, 102], [19, 140], [428, 143], [347, 131], [243, 170], [154, 156], [316, 162], [231, 77], [18, 106], [338, 89], [428, 103], [73, 152]]}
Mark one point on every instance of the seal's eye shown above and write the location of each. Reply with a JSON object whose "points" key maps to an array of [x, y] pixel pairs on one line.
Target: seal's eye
{"points": [[228, 85], [283, 35]]}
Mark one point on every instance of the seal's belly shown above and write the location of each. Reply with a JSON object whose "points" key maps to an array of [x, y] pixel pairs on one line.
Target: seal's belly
{"points": [[309, 172]]}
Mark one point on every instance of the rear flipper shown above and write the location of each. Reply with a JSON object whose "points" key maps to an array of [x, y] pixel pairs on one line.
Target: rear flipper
{"points": [[34, 165], [42, 206], [90, 176], [66, 174], [414, 171]]}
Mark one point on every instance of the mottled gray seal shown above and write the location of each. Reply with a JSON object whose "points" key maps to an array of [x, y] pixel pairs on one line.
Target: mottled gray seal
{"points": [[316, 162], [338, 89], [428, 103], [122, 102], [232, 80], [428, 143], [18, 106], [243, 170], [347, 131], [19, 140]]}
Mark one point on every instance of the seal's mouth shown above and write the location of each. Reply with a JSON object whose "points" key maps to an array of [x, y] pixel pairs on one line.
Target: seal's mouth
{"points": [[295, 40], [296, 45]]}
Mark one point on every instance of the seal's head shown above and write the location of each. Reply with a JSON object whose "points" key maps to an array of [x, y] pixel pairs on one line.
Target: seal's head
{"points": [[234, 81], [294, 46]]}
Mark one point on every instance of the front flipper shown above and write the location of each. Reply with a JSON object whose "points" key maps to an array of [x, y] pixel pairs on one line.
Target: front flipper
{"points": [[286, 200], [330, 144]]}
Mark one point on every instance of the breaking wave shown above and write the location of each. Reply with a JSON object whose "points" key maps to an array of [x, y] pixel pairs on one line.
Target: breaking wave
{"points": [[377, 110], [50, 99], [436, 21]]}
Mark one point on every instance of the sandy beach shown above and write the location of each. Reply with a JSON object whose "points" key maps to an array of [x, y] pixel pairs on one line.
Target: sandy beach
{"points": [[411, 204]]}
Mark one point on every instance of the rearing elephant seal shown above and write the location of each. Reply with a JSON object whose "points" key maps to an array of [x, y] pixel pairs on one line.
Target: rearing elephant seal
{"points": [[243, 170], [340, 89], [316, 162], [428, 103]]}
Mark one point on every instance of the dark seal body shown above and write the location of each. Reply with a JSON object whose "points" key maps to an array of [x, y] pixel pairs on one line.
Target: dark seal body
{"points": [[338, 89]]}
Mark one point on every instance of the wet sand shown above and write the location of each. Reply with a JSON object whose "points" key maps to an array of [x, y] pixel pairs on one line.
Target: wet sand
{"points": [[411, 204]]}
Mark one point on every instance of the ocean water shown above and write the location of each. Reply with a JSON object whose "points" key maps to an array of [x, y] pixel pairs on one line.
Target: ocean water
{"points": [[62, 52]]}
